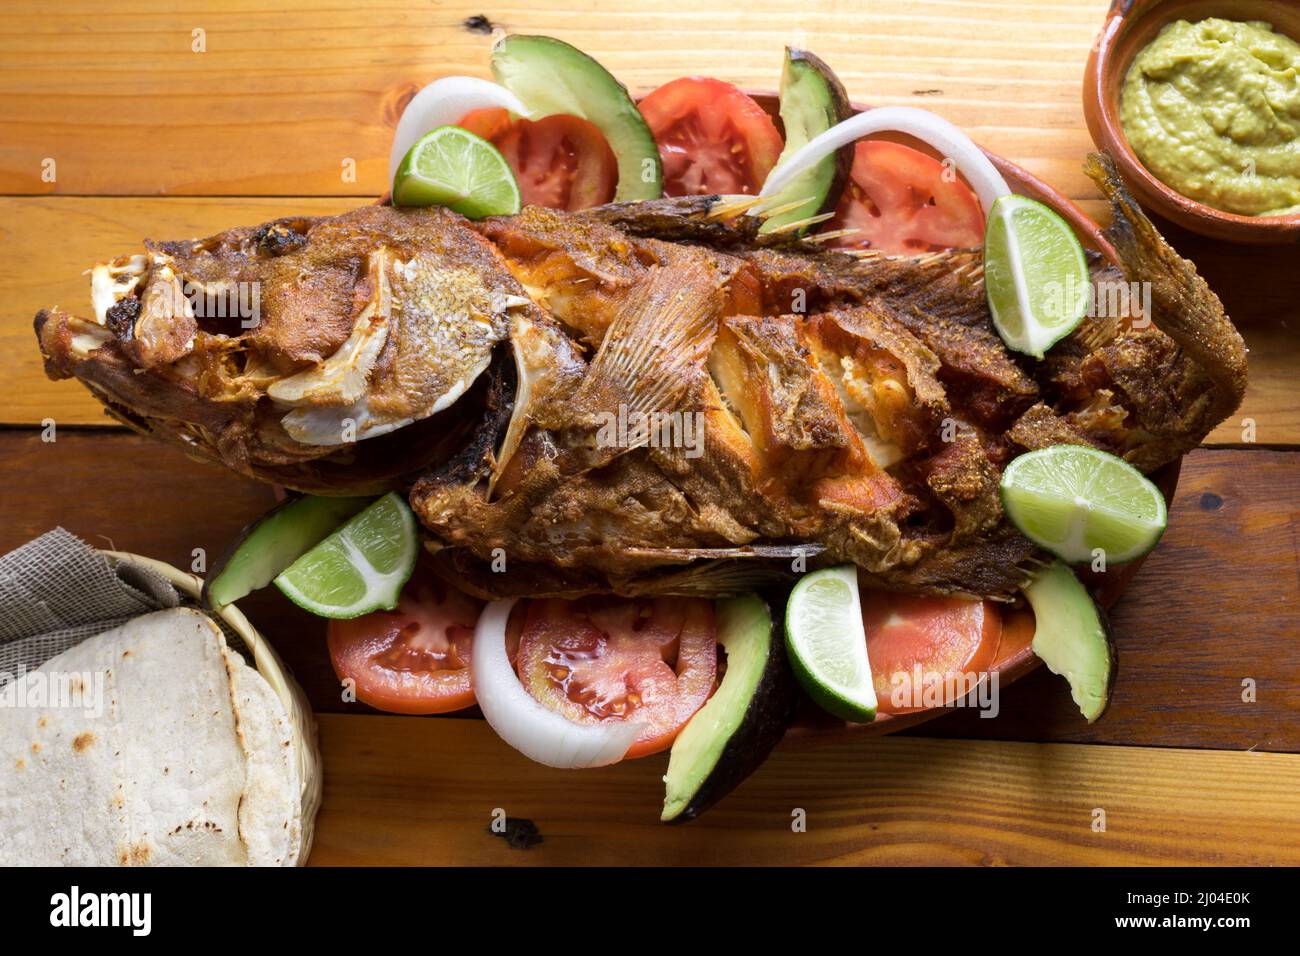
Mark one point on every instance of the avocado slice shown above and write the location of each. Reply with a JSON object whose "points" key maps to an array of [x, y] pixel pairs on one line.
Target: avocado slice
{"points": [[739, 725], [1073, 638], [812, 101], [550, 76], [272, 543]]}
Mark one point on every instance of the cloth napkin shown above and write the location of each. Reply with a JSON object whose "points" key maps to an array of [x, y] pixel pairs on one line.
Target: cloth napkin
{"points": [[56, 591]]}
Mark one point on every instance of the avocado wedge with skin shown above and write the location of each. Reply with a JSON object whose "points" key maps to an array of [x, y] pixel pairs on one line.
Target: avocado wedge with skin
{"points": [[1073, 638], [272, 543], [550, 76], [812, 101], [745, 718]]}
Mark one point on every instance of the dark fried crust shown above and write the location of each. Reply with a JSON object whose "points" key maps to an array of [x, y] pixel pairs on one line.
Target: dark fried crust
{"points": [[860, 410]]}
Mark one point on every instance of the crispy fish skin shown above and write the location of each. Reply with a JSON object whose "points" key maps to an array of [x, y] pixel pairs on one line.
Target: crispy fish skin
{"points": [[648, 398], [366, 324]]}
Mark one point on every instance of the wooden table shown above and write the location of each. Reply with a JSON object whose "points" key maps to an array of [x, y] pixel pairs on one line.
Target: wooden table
{"points": [[290, 111]]}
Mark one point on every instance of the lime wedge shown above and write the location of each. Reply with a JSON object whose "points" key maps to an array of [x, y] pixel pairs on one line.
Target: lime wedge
{"points": [[1074, 500], [359, 568], [828, 643], [454, 168], [1035, 275]]}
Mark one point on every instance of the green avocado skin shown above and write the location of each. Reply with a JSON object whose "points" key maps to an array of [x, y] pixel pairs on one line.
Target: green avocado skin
{"points": [[1064, 615], [771, 710], [812, 96], [1113, 650], [841, 110], [552, 76], [272, 542]]}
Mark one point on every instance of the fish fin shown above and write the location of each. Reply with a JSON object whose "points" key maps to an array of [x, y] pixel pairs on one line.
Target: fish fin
{"points": [[822, 238], [709, 578], [655, 347], [730, 207], [792, 228], [546, 369], [1095, 332], [717, 221]]}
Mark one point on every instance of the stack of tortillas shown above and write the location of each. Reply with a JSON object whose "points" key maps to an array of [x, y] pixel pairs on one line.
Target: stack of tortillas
{"points": [[175, 752]]}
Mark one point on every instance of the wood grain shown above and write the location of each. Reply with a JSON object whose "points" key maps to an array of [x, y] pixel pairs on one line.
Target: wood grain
{"points": [[421, 792], [1203, 614], [60, 237], [281, 98], [123, 492], [149, 138]]}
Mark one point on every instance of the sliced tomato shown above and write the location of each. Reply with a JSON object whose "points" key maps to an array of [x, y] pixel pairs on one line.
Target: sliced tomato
{"points": [[561, 162], [414, 660], [654, 661], [935, 638], [712, 137], [902, 201], [490, 123]]}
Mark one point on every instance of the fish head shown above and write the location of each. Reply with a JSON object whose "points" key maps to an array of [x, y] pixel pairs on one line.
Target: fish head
{"points": [[285, 348]]}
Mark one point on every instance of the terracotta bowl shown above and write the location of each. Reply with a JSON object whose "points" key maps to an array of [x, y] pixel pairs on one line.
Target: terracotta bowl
{"points": [[1130, 26]]}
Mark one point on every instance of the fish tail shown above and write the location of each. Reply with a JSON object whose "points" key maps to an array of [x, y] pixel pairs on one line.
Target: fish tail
{"points": [[1183, 306]]}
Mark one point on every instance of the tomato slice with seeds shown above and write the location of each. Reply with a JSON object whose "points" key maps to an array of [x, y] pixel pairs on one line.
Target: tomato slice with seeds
{"points": [[712, 137], [654, 661], [415, 659], [560, 162], [902, 201], [944, 637]]}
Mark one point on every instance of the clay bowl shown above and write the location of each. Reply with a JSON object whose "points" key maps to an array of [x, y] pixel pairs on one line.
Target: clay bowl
{"points": [[1014, 658], [1130, 26]]}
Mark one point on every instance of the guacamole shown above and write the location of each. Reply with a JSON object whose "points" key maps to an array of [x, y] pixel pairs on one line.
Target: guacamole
{"points": [[1212, 109]]}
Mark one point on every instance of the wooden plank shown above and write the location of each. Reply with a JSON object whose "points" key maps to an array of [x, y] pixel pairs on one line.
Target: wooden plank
{"points": [[423, 793], [60, 237], [281, 99], [1186, 639], [120, 491]]}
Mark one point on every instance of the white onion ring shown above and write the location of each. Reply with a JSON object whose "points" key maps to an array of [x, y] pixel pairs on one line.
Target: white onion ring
{"points": [[951, 142], [442, 103], [522, 721]]}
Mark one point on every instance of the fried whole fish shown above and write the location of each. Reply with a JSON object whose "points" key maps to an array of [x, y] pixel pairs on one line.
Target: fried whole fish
{"points": [[649, 397]]}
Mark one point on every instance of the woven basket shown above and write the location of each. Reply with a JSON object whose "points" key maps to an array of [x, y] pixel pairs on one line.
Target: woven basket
{"points": [[271, 668]]}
